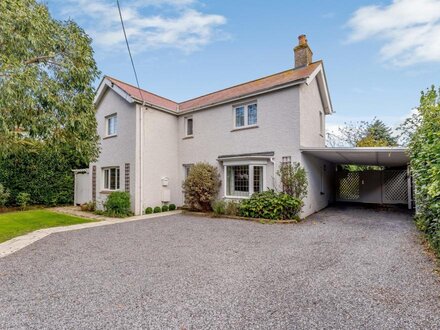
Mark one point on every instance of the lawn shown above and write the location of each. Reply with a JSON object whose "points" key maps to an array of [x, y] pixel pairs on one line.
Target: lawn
{"points": [[19, 223]]}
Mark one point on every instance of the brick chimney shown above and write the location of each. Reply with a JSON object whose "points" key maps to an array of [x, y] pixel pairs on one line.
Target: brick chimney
{"points": [[303, 53]]}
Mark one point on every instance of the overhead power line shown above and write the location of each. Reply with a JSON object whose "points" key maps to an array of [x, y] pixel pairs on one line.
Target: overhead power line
{"points": [[129, 51]]}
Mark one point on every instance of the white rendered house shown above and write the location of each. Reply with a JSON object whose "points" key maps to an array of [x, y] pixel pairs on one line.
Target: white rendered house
{"points": [[148, 142]]}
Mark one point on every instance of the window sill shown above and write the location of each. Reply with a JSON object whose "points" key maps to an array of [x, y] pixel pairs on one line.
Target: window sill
{"points": [[106, 192], [109, 136], [188, 137], [237, 197], [244, 127]]}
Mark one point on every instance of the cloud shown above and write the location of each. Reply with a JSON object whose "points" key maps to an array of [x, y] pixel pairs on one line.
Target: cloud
{"points": [[410, 29], [149, 24]]}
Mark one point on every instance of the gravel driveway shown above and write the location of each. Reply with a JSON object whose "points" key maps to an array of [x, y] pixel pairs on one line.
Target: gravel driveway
{"points": [[342, 268]]}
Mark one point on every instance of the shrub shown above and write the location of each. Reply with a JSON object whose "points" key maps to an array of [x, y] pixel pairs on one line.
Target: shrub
{"points": [[4, 195], [172, 207], [118, 204], [218, 207], [232, 208], [424, 151], [293, 179], [271, 205], [165, 208], [148, 210], [157, 209], [23, 200], [201, 186], [88, 207]]}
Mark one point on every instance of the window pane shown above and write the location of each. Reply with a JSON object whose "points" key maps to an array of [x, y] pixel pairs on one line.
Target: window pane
{"points": [[111, 125], [106, 175], [117, 179], [252, 114], [112, 179], [239, 117], [258, 179], [189, 126], [237, 180]]}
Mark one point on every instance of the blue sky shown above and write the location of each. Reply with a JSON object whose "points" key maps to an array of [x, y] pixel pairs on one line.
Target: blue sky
{"points": [[378, 55]]}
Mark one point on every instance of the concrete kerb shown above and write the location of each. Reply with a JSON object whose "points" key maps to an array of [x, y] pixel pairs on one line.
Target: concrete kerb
{"points": [[17, 243]]}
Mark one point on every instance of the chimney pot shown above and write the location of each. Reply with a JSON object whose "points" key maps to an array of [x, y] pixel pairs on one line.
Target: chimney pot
{"points": [[303, 53]]}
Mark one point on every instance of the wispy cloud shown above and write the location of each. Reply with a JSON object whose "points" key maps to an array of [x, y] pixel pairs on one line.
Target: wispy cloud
{"points": [[150, 24], [409, 28]]}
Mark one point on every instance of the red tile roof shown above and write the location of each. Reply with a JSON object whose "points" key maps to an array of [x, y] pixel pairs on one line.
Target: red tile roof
{"points": [[146, 96], [223, 95]]}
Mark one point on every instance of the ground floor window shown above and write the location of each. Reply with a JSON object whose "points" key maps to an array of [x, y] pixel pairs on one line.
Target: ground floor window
{"points": [[111, 178], [244, 180]]}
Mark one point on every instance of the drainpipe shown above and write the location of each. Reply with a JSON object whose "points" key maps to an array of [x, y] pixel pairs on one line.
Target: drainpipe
{"points": [[141, 158]]}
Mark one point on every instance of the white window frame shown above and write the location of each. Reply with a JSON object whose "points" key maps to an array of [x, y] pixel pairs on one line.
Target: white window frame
{"points": [[186, 126], [106, 172], [246, 115], [107, 125], [251, 165]]}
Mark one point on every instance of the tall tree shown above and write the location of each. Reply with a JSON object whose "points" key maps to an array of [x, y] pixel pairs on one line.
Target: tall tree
{"points": [[47, 72], [46, 75], [377, 134]]}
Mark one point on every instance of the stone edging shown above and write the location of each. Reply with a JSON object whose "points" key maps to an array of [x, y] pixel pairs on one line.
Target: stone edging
{"points": [[20, 242], [232, 217]]}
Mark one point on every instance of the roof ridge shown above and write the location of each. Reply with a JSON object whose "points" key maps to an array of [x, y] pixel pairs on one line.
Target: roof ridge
{"points": [[247, 82], [144, 90]]}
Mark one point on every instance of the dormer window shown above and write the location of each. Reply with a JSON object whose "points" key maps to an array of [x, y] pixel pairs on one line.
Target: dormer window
{"points": [[111, 125], [245, 115]]}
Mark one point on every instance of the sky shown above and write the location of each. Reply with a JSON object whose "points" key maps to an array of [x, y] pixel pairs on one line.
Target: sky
{"points": [[378, 55]]}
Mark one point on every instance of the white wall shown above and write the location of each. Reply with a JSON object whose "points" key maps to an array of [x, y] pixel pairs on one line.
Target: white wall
{"points": [[118, 150], [160, 157], [278, 131]]}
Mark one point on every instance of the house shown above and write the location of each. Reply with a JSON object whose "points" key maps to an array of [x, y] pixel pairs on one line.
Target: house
{"points": [[148, 142]]}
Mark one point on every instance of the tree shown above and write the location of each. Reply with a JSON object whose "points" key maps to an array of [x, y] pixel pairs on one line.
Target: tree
{"points": [[424, 150], [46, 105], [407, 129], [46, 75], [293, 179]]}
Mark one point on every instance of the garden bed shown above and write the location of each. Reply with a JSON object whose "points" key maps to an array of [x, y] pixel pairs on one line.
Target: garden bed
{"points": [[234, 217]]}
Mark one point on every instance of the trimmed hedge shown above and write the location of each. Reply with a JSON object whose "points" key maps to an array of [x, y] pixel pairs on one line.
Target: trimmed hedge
{"points": [[148, 210], [157, 209], [172, 207], [165, 208], [271, 205]]}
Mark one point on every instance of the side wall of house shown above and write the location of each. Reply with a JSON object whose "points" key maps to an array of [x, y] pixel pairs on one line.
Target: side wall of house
{"points": [[214, 135], [320, 173], [118, 150], [160, 158]]}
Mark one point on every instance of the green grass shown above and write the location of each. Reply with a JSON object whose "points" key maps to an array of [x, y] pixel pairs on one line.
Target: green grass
{"points": [[14, 224]]}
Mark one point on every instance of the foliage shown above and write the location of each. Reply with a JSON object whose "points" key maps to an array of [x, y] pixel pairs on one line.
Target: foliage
{"points": [[88, 207], [157, 209], [23, 199], [4, 195], [14, 224], [47, 116], [165, 208], [424, 149], [118, 204], [407, 129], [293, 179], [271, 205], [218, 207], [148, 210], [201, 186], [37, 169], [364, 134], [172, 207], [232, 208]]}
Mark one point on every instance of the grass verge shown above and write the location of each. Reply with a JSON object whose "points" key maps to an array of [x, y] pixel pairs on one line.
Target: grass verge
{"points": [[13, 224]]}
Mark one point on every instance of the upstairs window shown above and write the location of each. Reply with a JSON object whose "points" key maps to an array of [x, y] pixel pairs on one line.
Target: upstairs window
{"points": [[321, 123], [111, 125], [245, 115], [189, 126], [111, 178]]}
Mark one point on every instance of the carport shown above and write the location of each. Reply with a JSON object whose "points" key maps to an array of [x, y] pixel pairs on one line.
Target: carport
{"points": [[392, 185]]}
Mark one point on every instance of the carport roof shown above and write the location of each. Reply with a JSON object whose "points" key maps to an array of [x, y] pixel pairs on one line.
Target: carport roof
{"points": [[381, 156]]}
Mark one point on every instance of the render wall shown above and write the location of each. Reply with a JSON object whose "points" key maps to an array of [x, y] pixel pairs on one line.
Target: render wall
{"points": [[160, 158], [118, 150], [214, 134]]}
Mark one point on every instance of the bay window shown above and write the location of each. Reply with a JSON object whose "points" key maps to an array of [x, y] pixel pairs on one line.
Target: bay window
{"points": [[244, 180]]}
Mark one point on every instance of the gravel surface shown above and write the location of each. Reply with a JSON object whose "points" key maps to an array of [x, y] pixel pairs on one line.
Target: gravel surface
{"points": [[341, 268]]}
